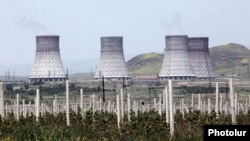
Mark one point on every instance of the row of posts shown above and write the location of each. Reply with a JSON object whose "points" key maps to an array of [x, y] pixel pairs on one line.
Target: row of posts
{"points": [[168, 103]]}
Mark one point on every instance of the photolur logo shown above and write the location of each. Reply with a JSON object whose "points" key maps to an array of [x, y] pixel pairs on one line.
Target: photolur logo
{"points": [[213, 132]]}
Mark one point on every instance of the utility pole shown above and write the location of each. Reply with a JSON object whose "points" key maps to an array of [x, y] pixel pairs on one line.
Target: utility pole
{"points": [[13, 76], [103, 90], [8, 75], [114, 91], [67, 74], [124, 86]]}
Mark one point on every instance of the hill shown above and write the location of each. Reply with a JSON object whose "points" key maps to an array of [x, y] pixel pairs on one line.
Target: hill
{"points": [[230, 59], [145, 64], [227, 59]]}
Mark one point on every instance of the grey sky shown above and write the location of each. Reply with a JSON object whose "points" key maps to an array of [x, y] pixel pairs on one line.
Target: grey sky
{"points": [[142, 23]]}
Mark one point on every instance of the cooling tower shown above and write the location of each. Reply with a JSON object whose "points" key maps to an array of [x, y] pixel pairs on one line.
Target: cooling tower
{"points": [[200, 58], [176, 63], [112, 63], [47, 65]]}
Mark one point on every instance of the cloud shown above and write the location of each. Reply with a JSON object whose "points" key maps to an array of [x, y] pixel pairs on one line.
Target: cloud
{"points": [[174, 26], [28, 22]]}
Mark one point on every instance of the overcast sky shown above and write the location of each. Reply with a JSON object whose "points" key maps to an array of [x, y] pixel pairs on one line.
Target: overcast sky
{"points": [[142, 23]]}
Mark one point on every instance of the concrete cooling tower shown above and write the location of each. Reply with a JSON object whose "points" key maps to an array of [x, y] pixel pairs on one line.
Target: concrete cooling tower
{"points": [[112, 63], [200, 58], [176, 63], [47, 65]]}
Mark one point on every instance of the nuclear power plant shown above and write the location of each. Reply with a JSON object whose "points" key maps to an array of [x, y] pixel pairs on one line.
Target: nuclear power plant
{"points": [[112, 63], [186, 58], [48, 64]]}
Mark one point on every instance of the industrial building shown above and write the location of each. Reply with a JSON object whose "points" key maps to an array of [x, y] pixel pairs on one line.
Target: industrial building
{"points": [[200, 58], [112, 65], [47, 65], [186, 58]]}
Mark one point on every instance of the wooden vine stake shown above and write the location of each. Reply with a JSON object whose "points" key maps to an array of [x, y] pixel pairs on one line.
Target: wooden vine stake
{"points": [[81, 101], [55, 107], [192, 103], [217, 99], [24, 109], [67, 102], [17, 107], [159, 105], [171, 113], [129, 107], [232, 101], [2, 106], [164, 100], [118, 111], [209, 109], [37, 104], [167, 104], [155, 104], [199, 102], [122, 105]]}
